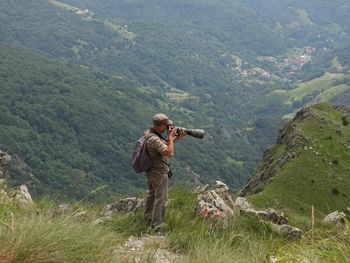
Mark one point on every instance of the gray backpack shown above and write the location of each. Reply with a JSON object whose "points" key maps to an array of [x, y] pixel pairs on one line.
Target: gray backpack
{"points": [[140, 160]]}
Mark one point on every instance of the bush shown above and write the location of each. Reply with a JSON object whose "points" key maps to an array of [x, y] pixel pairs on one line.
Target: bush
{"points": [[345, 121], [335, 191]]}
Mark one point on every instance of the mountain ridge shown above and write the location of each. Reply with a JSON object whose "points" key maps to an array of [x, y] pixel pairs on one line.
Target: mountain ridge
{"points": [[307, 165]]}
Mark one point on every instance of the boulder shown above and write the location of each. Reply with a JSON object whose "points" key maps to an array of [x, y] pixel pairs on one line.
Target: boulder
{"points": [[223, 191], [335, 218], [216, 205], [201, 189], [243, 203], [126, 205], [4, 161], [22, 196]]}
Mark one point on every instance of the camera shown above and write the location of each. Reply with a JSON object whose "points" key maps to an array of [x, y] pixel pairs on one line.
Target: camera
{"points": [[197, 133]]}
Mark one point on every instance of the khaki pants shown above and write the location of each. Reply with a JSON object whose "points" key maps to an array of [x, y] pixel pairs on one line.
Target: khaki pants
{"points": [[157, 199]]}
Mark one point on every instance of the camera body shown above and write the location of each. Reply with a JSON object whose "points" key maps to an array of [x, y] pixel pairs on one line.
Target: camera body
{"points": [[197, 133]]}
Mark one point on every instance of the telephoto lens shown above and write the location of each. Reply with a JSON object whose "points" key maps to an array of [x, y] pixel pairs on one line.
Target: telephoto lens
{"points": [[196, 133]]}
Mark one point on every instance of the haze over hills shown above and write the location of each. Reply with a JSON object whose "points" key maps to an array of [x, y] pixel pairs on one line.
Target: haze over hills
{"points": [[234, 68]]}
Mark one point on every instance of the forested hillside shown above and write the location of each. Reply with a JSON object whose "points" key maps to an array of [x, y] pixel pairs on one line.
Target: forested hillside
{"points": [[81, 79]]}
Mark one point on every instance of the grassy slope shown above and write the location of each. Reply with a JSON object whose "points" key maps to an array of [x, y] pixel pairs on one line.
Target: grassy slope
{"points": [[320, 175], [324, 88], [40, 234]]}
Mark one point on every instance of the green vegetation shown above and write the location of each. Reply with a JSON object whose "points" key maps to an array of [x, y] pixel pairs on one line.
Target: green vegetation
{"points": [[39, 233], [324, 88], [44, 233], [318, 176], [66, 113]]}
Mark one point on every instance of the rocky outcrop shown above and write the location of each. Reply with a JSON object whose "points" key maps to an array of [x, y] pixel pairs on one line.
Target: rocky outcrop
{"points": [[4, 162], [127, 205], [218, 206], [292, 141], [336, 218], [22, 196]]}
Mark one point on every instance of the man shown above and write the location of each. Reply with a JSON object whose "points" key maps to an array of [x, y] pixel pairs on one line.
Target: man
{"points": [[159, 150]]}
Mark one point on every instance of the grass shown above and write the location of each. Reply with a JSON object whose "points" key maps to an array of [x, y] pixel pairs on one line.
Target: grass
{"points": [[318, 246], [62, 5], [320, 89], [321, 167], [40, 234]]}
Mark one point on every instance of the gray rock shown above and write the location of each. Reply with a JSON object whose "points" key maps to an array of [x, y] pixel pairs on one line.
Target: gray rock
{"points": [[4, 161], [212, 206], [288, 230], [126, 205], [22, 196], [335, 218], [243, 203], [201, 189], [223, 191]]}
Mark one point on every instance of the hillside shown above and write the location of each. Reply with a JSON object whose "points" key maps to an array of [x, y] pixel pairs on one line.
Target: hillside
{"points": [[73, 129], [42, 231], [232, 68], [308, 165]]}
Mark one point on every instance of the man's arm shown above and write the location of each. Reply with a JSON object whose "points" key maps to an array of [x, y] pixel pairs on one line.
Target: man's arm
{"points": [[181, 134], [170, 152]]}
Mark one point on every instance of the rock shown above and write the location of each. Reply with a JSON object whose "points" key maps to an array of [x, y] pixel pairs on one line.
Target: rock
{"points": [[126, 205], [243, 203], [3, 195], [211, 206], [272, 215], [263, 215], [22, 196], [152, 248], [223, 191], [336, 218], [288, 230], [81, 214], [339, 132], [4, 161], [101, 220], [201, 189]]}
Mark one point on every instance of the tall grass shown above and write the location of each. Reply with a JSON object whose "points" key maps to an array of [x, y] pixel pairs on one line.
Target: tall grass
{"points": [[39, 234], [322, 245], [36, 236], [245, 239]]}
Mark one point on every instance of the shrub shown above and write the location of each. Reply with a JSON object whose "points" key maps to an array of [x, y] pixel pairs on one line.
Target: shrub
{"points": [[345, 121], [335, 191]]}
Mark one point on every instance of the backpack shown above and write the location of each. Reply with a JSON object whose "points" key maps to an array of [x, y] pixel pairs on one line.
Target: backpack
{"points": [[140, 160]]}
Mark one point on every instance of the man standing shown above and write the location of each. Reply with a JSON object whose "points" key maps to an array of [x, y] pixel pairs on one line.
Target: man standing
{"points": [[159, 150]]}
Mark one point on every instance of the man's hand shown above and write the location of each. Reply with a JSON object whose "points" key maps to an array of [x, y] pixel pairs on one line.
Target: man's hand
{"points": [[171, 134], [181, 134]]}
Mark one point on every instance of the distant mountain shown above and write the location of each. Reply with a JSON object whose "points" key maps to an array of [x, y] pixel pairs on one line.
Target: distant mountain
{"points": [[308, 165]]}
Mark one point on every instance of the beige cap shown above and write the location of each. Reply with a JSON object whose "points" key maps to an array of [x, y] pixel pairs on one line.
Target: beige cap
{"points": [[160, 119]]}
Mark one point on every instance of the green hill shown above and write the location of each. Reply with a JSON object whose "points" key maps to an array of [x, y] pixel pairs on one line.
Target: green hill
{"points": [[308, 165], [208, 64], [73, 129]]}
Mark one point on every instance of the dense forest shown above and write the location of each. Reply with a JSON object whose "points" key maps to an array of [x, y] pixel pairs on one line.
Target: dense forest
{"points": [[81, 79]]}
